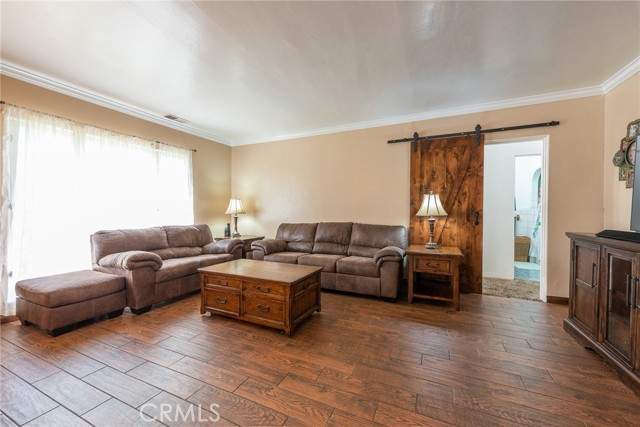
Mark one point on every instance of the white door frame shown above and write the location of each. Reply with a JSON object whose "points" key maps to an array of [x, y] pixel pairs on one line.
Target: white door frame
{"points": [[544, 202]]}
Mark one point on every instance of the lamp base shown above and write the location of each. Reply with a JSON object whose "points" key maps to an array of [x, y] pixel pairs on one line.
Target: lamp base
{"points": [[235, 235], [431, 245]]}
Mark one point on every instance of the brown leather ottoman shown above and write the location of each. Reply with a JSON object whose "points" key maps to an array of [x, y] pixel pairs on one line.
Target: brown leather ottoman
{"points": [[58, 302]]}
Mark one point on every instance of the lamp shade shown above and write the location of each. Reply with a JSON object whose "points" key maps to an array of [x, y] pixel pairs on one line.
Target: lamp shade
{"points": [[235, 207], [431, 206]]}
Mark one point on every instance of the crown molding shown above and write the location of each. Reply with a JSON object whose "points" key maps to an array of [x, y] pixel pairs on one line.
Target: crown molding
{"points": [[15, 72], [48, 83], [627, 71], [437, 114]]}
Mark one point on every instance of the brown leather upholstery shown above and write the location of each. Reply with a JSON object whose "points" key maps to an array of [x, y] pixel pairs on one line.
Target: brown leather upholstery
{"points": [[361, 258], [68, 288], [326, 261], [61, 300], [332, 238], [299, 237], [159, 262]]}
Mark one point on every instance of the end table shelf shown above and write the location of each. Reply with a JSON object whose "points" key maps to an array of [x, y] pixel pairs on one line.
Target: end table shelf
{"points": [[444, 261]]}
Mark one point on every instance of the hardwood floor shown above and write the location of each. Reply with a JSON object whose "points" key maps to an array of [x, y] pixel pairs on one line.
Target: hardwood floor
{"points": [[360, 362]]}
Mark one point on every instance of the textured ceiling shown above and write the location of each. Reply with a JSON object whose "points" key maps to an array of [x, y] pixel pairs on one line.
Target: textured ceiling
{"points": [[243, 72]]}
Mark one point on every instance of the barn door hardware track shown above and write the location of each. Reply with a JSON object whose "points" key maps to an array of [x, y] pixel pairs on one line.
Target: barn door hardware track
{"points": [[477, 132]]}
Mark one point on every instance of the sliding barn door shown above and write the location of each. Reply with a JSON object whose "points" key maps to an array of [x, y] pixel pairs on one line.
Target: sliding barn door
{"points": [[453, 168]]}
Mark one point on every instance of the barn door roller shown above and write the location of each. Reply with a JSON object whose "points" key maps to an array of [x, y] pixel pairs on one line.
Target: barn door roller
{"points": [[477, 132]]}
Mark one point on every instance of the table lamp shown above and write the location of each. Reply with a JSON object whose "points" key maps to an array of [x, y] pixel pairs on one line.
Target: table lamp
{"points": [[235, 208], [431, 207]]}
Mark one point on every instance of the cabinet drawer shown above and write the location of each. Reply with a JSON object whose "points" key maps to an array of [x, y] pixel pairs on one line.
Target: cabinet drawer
{"points": [[222, 300], [309, 283], [264, 308], [430, 265], [216, 280], [274, 290]]}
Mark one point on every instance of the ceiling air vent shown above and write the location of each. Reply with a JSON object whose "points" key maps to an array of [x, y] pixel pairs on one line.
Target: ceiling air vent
{"points": [[175, 118]]}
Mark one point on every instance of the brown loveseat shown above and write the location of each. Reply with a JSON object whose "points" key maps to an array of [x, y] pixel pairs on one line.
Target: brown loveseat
{"points": [[361, 258], [159, 263]]}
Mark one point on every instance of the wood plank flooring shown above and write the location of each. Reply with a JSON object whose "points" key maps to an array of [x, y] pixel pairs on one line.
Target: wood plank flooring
{"points": [[360, 362]]}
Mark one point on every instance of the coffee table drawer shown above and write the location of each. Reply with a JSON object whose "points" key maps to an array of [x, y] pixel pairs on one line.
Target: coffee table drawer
{"points": [[216, 280], [274, 290], [222, 300], [264, 308]]}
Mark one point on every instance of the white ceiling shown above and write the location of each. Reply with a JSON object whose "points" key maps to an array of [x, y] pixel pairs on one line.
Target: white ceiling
{"points": [[245, 72]]}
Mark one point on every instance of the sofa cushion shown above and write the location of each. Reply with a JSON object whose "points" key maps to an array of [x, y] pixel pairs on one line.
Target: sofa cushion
{"points": [[106, 242], [175, 268], [288, 257], [359, 266], [182, 252], [188, 235], [332, 238], [211, 259], [299, 237], [327, 262], [69, 288], [367, 239]]}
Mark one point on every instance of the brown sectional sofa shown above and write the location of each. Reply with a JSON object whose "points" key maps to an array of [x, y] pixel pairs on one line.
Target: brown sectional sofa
{"points": [[360, 258], [159, 263]]}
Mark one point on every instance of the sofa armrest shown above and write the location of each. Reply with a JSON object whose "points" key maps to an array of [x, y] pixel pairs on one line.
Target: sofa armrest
{"points": [[226, 246], [389, 253], [131, 260], [269, 246]]}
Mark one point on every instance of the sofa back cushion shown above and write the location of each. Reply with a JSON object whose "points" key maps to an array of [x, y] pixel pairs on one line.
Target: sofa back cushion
{"points": [[107, 242], [188, 235], [332, 238], [367, 239], [299, 237]]}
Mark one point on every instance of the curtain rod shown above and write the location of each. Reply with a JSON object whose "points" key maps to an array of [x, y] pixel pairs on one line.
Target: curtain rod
{"points": [[97, 127], [477, 132]]}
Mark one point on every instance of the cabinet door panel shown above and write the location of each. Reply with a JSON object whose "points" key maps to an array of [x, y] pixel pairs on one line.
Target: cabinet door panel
{"points": [[585, 286], [619, 307]]}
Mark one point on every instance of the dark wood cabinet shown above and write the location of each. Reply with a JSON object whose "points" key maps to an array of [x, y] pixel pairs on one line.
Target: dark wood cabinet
{"points": [[603, 301]]}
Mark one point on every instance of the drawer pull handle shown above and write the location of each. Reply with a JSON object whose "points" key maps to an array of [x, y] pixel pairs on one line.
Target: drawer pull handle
{"points": [[431, 264], [264, 309], [219, 282], [263, 290], [307, 286], [221, 301]]}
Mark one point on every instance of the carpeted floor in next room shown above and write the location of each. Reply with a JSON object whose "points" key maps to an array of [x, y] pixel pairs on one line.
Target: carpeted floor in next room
{"points": [[516, 288]]}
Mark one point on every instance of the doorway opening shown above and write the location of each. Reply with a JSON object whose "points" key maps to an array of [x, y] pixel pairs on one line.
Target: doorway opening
{"points": [[514, 240]]}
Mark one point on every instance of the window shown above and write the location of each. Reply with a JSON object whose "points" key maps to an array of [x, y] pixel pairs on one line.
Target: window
{"points": [[63, 181]]}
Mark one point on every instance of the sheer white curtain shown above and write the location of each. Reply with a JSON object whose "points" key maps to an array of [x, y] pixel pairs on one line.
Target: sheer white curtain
{"points": [[62, 181]]}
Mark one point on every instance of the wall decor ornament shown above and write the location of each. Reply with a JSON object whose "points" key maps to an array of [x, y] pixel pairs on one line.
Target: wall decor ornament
{"points": [[625, 158]]}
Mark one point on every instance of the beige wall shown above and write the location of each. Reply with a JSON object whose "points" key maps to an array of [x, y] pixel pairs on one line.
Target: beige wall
{"points": [[622, 105], [211, 162], [357, 176]]}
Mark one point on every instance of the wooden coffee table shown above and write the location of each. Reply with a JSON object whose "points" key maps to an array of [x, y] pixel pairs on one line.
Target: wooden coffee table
{"points": [[267, 293]]}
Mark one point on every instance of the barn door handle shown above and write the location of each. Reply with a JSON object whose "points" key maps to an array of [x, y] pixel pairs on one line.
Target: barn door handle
{"points": [[477, 214]]}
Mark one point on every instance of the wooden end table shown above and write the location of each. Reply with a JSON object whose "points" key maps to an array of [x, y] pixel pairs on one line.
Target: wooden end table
{"points": [[443, 261]]}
